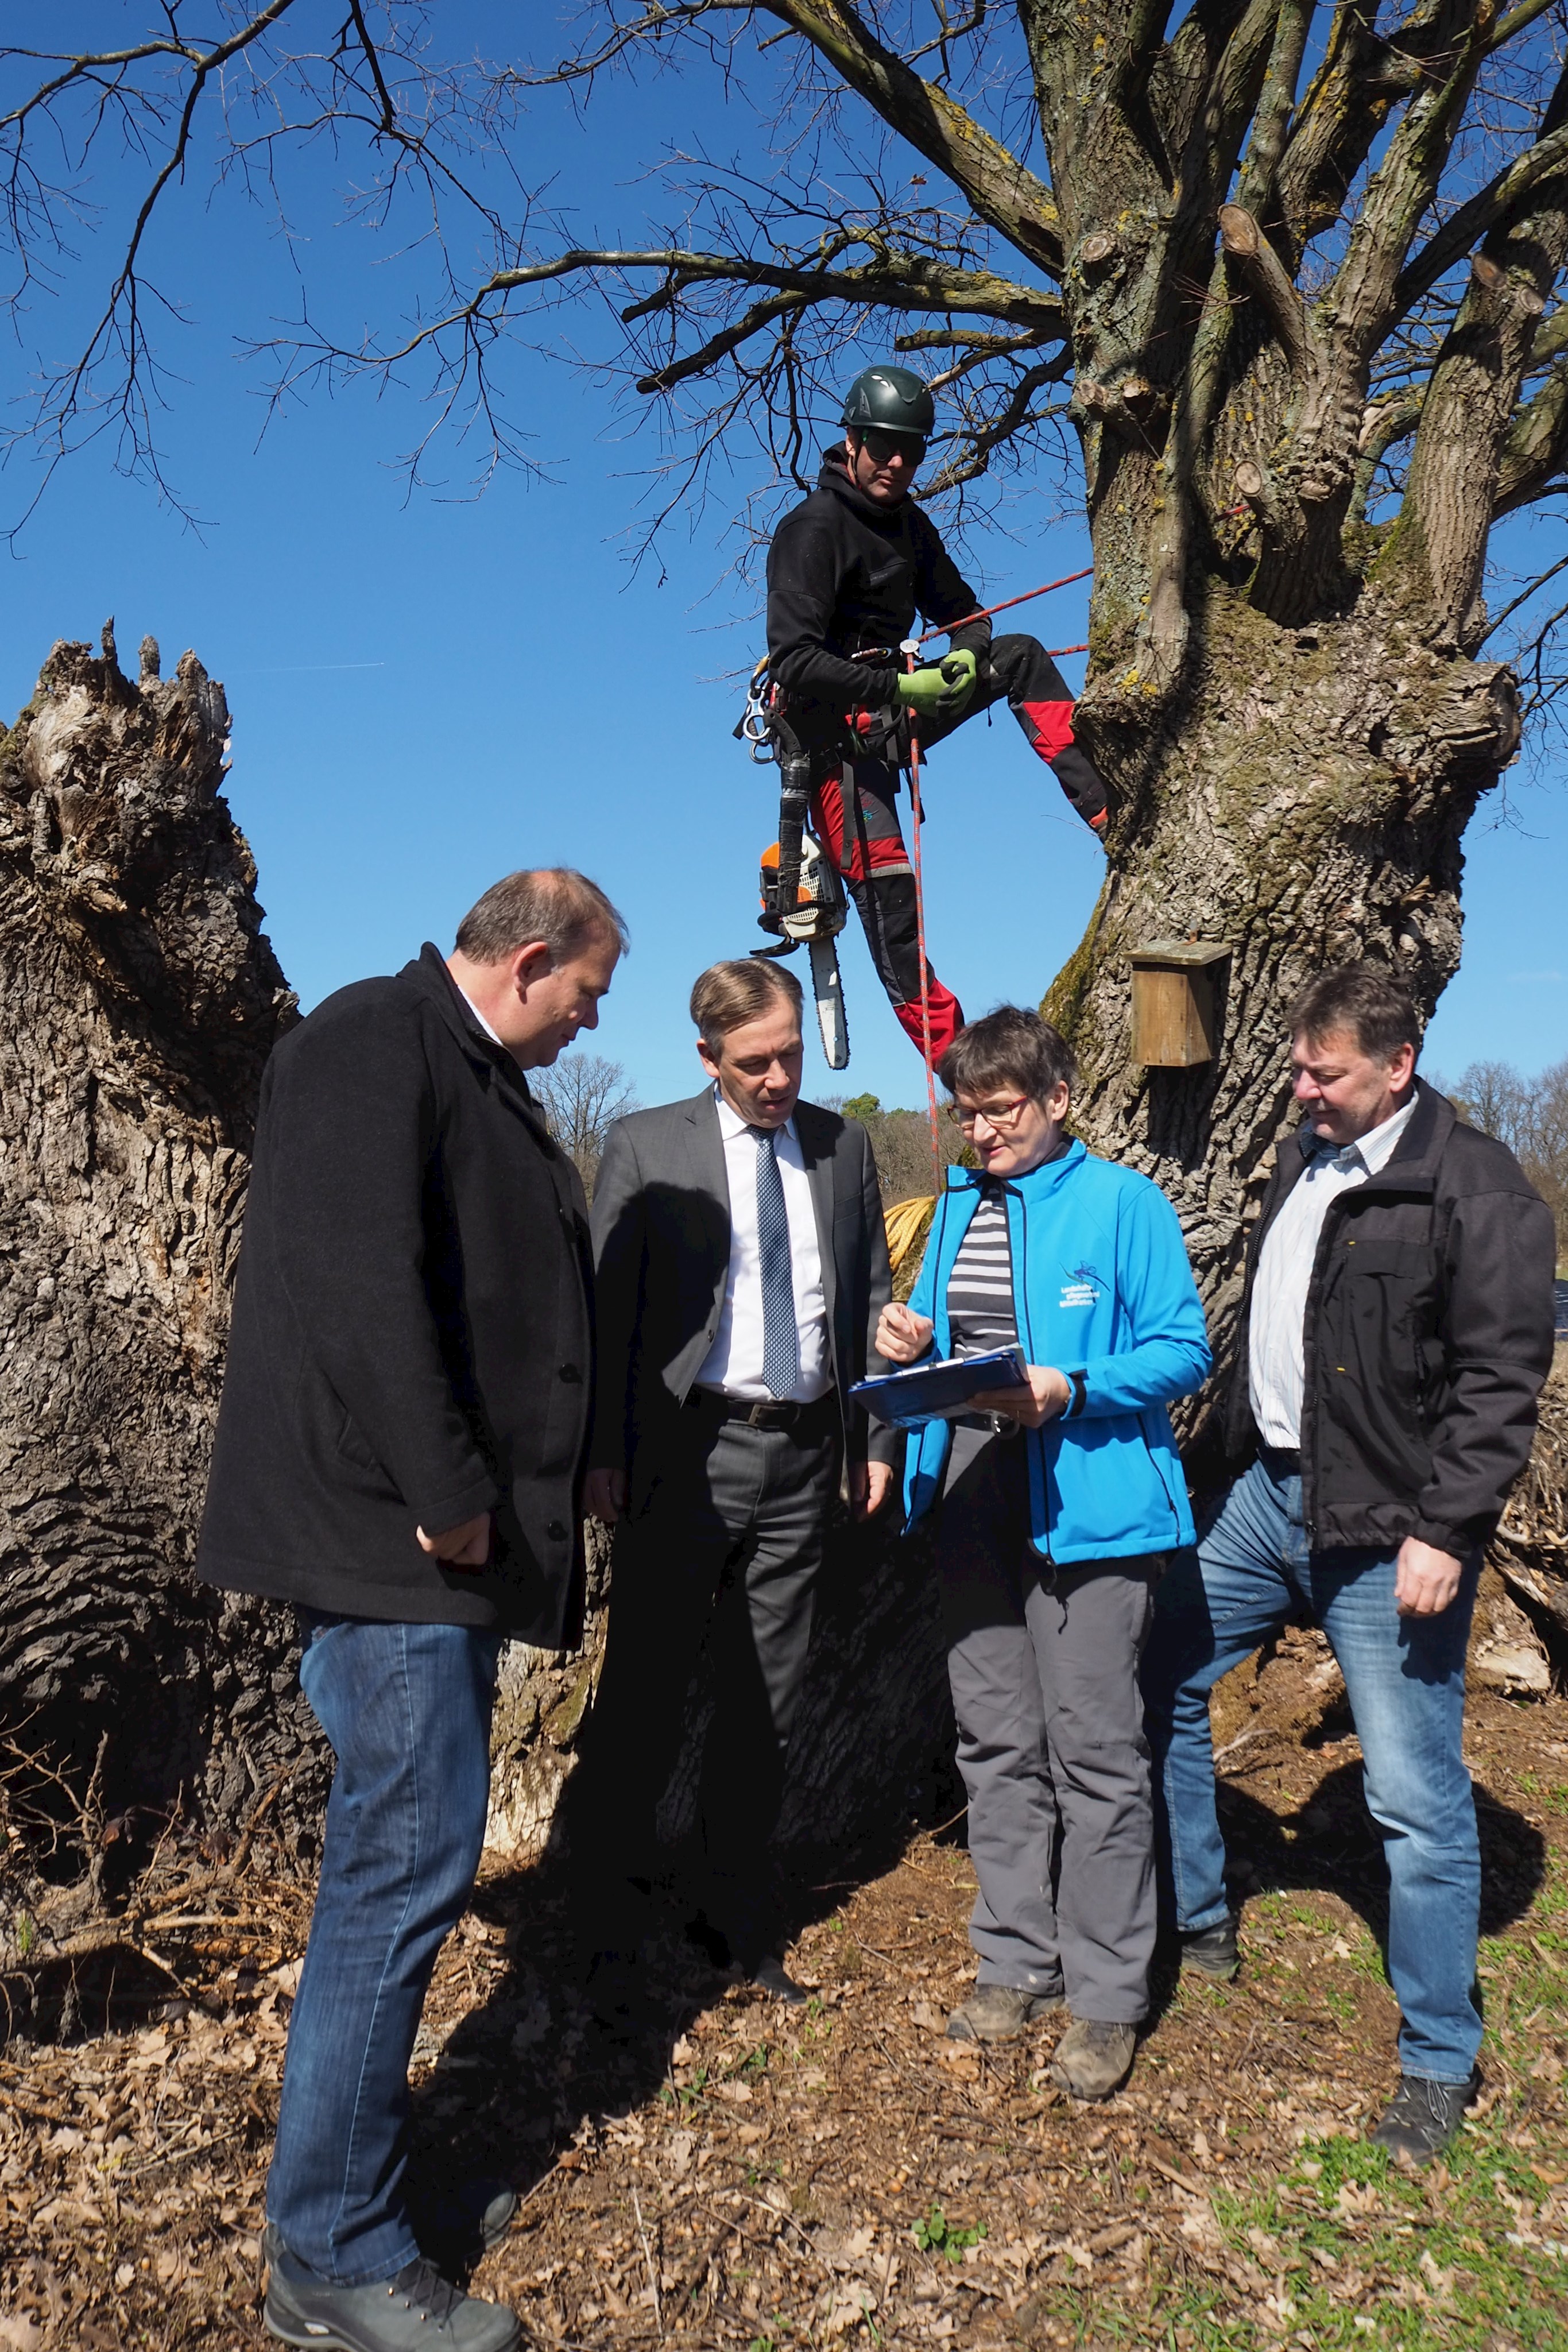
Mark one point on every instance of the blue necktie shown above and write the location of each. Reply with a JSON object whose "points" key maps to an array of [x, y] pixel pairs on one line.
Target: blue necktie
{"points": [[780, 1330]]}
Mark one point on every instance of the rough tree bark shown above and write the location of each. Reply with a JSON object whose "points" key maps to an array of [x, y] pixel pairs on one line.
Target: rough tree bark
{"points": [[138, 1000], [1315, 780]]}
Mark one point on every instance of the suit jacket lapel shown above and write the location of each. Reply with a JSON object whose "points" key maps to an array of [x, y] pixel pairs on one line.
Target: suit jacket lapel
{"points": [[705, 1144], [822, 1164]]}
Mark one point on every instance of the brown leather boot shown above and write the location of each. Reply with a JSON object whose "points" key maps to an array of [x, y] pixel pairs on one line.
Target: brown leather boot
{"points": [[996, 2013], [1093, 2058]]}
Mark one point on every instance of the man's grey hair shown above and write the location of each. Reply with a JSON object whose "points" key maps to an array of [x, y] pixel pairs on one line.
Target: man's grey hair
{"points": [[554, 904]]}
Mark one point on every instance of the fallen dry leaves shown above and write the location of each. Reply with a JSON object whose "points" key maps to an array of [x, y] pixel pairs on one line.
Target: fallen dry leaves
{"points": [[846, 2175]]}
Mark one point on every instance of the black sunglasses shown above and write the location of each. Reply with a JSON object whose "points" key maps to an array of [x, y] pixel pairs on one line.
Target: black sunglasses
{"points": [[883, 445]]}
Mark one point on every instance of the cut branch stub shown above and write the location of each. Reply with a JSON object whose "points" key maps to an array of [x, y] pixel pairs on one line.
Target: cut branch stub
{"points": [[1266, 275]]}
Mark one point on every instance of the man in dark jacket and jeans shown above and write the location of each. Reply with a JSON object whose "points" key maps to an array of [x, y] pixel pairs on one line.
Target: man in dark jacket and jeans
{"points": [[399, 1452], [847, 573], [1396, 1327]]}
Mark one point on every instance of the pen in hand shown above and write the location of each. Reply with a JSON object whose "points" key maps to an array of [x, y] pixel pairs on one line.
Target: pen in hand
{"points": [[902, 1336]]}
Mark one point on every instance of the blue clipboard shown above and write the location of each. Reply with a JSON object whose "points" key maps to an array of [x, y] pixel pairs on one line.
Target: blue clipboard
{"points": [[926, 1392]]}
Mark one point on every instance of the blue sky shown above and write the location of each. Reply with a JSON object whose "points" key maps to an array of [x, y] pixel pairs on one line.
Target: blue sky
{"points": [[427, 692]]}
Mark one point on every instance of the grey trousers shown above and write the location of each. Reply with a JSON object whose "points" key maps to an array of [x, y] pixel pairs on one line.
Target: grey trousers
{"points": [[1044, 1671]]}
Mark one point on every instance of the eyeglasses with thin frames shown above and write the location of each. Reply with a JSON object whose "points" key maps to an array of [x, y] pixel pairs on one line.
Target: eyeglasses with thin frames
{"points": [[1002, 1117]]}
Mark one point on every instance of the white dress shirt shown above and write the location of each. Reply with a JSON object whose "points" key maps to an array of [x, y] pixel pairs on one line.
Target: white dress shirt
{"points": [[1277, 1372], [734, 1362], [474, 1009]]}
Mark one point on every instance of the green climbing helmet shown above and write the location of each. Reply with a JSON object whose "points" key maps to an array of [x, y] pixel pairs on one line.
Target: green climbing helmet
{"points": [[892, 399]]}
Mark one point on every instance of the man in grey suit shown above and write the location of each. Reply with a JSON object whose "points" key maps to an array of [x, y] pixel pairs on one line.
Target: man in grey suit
{"points": [[742, 1267]]}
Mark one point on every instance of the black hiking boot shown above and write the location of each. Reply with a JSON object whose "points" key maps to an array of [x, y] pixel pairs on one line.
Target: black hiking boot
{"points": [[456, 2227], [1423, 2117], [417, 2311], [1212, 1951]]}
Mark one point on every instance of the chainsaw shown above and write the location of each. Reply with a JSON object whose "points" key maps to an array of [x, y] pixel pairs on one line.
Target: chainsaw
{"points": [[814, 922], [803, 902]]}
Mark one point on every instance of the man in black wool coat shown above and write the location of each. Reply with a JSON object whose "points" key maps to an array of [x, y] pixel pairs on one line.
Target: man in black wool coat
{"points": [[398, 1454]]}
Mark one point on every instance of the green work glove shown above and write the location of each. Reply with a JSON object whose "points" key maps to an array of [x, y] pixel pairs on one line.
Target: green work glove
{"points": [[923, 691], [959, 670]]}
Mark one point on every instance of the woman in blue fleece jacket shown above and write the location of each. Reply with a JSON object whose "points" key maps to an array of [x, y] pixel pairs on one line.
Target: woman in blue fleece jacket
{"points": [[1055, 1506]]}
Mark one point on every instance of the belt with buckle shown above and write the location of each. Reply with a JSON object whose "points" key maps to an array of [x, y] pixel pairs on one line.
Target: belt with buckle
{"points": [[760, 1412]]}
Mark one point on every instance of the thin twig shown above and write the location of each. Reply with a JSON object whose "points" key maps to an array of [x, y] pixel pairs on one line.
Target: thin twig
{"points": [[1255, 1732], [176, 2155], [545, 2178], [648, 2258]]}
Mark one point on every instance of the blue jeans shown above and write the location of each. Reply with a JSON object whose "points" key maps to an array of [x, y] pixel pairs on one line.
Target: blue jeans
{"points": [[1404, 1677], [407, 1709]]}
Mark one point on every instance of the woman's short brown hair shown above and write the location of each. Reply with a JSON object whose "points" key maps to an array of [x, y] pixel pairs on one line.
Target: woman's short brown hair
{"points": [[726, 994], [1008, 1047]]}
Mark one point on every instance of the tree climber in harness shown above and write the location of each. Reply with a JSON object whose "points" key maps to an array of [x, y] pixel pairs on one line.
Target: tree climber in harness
{"points": [[847, 571]]}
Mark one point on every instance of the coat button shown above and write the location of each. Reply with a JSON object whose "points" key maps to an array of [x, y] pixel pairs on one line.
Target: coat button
{"points": [[570, 1372], [555, 1532]]}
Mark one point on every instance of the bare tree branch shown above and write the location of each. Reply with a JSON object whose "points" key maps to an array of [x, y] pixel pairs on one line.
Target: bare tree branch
{"points": [[1364, 299], [1244, 243], [1362, 75], [1496, 202], [1004, 193], [1535, 446]]}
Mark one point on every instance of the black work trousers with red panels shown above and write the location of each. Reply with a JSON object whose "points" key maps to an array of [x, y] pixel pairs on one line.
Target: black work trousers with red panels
{"points": [[855, 816]]}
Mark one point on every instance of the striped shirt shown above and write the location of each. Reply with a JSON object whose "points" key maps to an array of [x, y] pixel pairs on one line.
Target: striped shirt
{"points": [[981, 1316], [980, 1313]]}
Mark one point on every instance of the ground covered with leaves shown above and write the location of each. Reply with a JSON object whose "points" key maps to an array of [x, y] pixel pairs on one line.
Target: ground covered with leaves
{"points": [[846, 2175]]}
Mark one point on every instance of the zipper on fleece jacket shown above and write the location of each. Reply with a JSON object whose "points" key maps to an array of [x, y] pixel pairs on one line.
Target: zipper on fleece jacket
{"points": [[1036, 1436], [1154, 1466]]}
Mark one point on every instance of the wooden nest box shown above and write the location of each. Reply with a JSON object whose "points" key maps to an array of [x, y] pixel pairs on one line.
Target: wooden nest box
{"points": [[1173, 1002]]}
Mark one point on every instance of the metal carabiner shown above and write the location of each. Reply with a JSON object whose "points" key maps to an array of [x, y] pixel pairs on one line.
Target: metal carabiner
{"points": [[754, 730]]}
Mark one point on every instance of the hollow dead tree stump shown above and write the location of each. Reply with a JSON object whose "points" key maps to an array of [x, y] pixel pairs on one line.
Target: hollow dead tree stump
{"points": [[138, 1001]]}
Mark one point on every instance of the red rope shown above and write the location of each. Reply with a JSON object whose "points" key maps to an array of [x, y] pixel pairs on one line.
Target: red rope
{"points": [[913, 646], [1007, 605], [931, 1110]]}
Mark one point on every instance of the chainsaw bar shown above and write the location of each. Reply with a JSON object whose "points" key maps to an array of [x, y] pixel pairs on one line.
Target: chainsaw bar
{"points": [[828, 987]]}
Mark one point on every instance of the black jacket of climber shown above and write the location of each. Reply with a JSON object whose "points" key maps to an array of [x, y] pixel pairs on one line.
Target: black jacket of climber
{"points": [[844, 573]]}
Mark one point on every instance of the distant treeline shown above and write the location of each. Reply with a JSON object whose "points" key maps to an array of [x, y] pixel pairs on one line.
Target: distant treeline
{"points": [[901, 1144]]}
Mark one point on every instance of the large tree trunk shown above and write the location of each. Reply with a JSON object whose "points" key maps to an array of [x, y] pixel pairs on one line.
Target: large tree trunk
{"points": [[138, 1000], [1301, 799]]}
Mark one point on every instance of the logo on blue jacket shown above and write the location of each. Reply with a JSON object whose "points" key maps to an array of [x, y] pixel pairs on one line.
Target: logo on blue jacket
{"points": [[1083, 1289]]}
